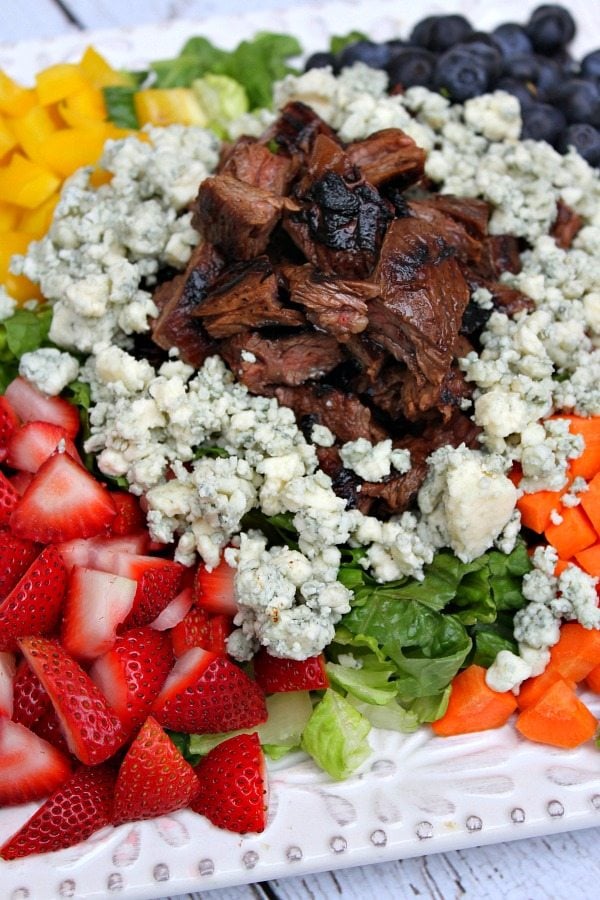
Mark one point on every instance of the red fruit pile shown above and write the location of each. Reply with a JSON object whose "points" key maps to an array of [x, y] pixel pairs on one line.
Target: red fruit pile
{"points": [[104, 643]]}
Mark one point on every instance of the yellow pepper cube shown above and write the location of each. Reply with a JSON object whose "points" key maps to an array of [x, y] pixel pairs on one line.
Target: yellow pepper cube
{"points": [[84, 106], [70, 148], [58, 81], [36, 222], [33, 130], [168, 106], [26, 183], [9, 216], [18, 286], [8, 140], [14, 99], [99, 72]]}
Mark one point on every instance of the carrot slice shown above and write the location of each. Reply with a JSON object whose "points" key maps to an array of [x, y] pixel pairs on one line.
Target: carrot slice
{"points": [[576, 653], [588, 464], [589, 559], [558, 718], [592, 680], [590, 501], [574, 533], [535, 508], [473, 705], [532, 689], [560, 566]]}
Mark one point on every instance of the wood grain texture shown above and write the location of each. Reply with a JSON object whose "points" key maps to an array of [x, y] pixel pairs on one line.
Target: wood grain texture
{"points": [[560, 867]]}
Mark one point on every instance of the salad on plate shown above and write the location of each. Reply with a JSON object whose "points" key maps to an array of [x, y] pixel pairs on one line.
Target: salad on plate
{"points": [[299, 423]]}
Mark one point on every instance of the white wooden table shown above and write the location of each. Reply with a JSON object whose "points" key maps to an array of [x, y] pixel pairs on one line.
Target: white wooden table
{"points": [[559, 867]]}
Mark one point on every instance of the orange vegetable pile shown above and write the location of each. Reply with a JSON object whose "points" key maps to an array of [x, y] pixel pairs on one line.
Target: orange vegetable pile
{"points": [[46, 133]]}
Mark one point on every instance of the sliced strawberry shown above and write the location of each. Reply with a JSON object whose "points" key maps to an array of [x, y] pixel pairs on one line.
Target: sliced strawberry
{"points": [[31, 405], [94, 552], [95, 605], [33, 606], [8, 668], [29, 767], [21, 481], [220, 629], [16, 555], [133, 672], [9, 422], [192, 631], [34, 442], [214, 591], [30, 700], [82, 805], [275, 675], [205, 693], [154, 779], [62, 502], [129, 518], [158, 582], [93, 730], [174, 612], [233, 785], [49, 728], [8, 499]]}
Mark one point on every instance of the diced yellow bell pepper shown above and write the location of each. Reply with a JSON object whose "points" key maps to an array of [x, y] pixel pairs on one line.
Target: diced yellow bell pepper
{"points": [[26, 183], [70, 148], [18, 286], [33, 130], [36, 222], [100, 177], [58, 81], [7, 139], [9, 216], [83, 107], [99, 72], [14, 99], [168, 106]]}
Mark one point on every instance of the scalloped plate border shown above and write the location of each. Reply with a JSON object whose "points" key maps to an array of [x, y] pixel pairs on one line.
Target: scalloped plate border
{"points": [[417, 794]]}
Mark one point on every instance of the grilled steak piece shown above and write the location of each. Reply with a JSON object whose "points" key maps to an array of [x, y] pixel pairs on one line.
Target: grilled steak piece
{"points": [[467, 248], [296, 129], [566, 225], [236, 217], [500, 253], [253, 163], [336, 305], [344, 414], [243, 298], [261, 363], [178, 298], [386, 155], [472, 213]]}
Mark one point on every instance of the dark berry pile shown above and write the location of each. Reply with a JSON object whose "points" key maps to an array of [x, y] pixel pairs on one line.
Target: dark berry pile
{"points": [[559, 96]]}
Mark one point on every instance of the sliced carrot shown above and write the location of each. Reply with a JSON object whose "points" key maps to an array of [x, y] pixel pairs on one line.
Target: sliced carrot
{"points": [[574, 533], [588, 464], [589, 559], [515, 474], [576, 653], [473, 706], [558, 718], [532, 689], [560, 566], [590, 501], [535, 509], [592, 680]]}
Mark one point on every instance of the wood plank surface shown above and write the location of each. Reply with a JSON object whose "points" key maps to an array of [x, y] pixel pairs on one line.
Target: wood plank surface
{"points": [[559, 867]]}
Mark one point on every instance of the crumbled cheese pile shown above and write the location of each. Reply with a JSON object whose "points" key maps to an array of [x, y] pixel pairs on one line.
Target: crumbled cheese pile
{"points": [[106, 244]]}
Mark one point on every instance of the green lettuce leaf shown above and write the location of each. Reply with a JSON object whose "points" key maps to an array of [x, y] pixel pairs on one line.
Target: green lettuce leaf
{"points": [[391, 716], [369, 683], [339, 41], [24, 331], [336, 736], [120, 107]]}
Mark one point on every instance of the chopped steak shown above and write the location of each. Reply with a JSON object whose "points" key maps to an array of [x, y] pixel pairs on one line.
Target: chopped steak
{"points": [[472, 213], [261, 363], [566, 225], [467, 248], [253, 163], [336, 305], [243, 298], [386, 155], [296, 129], [342, 413], [236, 217], [500, 253], [177, 299]]}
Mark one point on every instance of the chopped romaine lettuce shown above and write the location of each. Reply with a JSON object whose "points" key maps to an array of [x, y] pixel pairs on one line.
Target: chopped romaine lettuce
{"points": [[24, 331], [336, 736]]}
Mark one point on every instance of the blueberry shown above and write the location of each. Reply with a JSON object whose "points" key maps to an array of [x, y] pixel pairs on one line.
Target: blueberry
{"points": [[320, 60], [375, 55], [523, 67], [580, 101], [551, 75], [590, 65], [550, 28], [518, 89], [511, 39], [484, 49], [411, 66], [585, 139], [460, 74], [542, 122]]}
